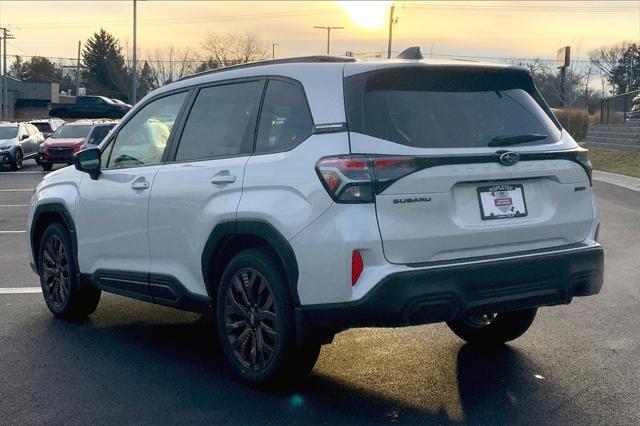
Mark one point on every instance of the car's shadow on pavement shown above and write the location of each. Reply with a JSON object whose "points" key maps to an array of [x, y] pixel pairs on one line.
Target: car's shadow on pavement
{"points": [[147, 371]]}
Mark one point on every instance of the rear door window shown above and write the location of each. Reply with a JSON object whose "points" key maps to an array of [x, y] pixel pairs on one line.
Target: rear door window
{"points": [[454, 108], [221, 122], [285, 120]]}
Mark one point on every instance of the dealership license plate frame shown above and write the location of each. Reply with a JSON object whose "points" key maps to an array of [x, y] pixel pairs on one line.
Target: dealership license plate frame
{"points": [[511, 189]]}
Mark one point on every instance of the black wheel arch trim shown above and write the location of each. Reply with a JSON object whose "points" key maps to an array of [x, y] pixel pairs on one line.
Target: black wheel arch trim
{"points": [[223, 234], [57, 208]]}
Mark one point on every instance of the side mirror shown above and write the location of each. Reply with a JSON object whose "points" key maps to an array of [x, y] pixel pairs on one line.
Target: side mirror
{"points": [[23, 137], [88, 161]]}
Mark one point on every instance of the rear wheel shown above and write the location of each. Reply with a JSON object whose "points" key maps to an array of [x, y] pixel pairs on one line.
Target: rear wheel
{"points": [[46, 166], [17, 161], [64, 295], [493, 329], [256, 323]]}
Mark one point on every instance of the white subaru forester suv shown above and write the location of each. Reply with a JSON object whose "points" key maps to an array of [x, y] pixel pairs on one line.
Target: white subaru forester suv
{"points": [[296, 198]]}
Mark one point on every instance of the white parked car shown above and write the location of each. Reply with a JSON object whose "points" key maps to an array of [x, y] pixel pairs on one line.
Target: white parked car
{"points": [[297, 198]]}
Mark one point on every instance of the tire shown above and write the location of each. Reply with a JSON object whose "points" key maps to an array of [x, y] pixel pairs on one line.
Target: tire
{"points": [[46, 166], [493, 329], [255, 315], [64, 295], [16, 164]]}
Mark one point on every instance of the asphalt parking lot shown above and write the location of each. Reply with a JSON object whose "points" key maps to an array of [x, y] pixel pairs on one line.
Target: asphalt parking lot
{"points": [[133, 362]]}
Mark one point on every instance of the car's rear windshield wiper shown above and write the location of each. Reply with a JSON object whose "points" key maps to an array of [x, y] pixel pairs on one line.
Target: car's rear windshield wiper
{"points": [[516, 139]]}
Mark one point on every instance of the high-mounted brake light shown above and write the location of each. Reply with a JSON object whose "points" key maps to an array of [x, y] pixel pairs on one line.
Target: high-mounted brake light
{"points": [[358, 178]]}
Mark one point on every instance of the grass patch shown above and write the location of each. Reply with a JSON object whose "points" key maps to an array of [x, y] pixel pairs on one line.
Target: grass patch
{"points": [[621, 162]]}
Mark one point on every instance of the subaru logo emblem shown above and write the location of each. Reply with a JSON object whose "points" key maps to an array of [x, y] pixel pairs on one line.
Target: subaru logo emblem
{"points": [[509, 158]]}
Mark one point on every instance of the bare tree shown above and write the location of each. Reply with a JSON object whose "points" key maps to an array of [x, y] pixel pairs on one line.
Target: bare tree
{"points": [[606, 59], [171, 63], [234, 48]]}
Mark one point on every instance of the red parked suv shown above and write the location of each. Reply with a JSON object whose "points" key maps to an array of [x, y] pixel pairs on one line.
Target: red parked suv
{"points": [[71, 138]]}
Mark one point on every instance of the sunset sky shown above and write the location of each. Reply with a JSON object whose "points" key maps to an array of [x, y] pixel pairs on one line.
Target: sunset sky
{"points": [[500, 29]]}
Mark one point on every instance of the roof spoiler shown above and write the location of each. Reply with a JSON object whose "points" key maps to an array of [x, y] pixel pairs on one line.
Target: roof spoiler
{"points": [[410, 53]]}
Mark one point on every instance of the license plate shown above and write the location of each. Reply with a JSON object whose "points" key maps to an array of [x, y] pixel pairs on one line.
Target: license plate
{"points": [[501, 201]]}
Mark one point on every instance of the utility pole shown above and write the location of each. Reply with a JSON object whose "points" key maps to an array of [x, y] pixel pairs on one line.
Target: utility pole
{"points": [[329, 34], [78, 69], [273, 50], [5, 96], [134, 72], [390, 30]]}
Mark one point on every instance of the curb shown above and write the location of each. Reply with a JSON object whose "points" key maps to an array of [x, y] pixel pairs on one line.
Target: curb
{"points": [[628, 182]]}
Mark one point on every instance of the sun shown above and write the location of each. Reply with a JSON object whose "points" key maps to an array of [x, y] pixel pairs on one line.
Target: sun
{"points": [[368, 15]]}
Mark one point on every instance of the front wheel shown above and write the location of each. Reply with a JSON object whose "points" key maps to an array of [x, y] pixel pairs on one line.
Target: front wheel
{"points": [[17, 161], [46, 166], [256, 322], [64, 295], [493, 329]]}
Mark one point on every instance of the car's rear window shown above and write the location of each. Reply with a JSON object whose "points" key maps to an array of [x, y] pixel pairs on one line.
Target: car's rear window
{"points": [[43, 127], [72, 131], [440, 107]]}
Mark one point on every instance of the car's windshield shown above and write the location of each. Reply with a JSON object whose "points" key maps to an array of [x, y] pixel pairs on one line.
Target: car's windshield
{"points": [[8, 132], [71, 131], [437, 109]]}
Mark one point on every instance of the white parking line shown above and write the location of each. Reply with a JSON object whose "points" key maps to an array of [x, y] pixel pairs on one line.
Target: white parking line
{"points": [[20, 290], [23, 172], [14, 205], [12, 232], [16, 190]]}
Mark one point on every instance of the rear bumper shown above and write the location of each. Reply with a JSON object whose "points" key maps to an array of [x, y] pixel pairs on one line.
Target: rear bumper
{"points": [[446, 292]]}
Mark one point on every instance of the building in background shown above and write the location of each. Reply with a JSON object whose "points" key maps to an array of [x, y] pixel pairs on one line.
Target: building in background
{"points": [[27, 101]]}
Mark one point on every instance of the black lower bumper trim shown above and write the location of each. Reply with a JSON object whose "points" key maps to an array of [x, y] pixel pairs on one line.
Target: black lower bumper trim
{"points": [[453, 291]]}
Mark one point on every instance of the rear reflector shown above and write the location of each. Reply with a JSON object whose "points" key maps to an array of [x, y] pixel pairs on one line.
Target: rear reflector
{"points": [[357, 266]]}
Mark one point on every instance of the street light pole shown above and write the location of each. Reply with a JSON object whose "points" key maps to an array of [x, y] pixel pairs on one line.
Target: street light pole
{"points": [[390, 31], [329, 28], [134, 72], [273, 50]]}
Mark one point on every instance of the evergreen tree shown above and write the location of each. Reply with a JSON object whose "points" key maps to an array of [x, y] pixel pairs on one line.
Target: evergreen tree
{"points": [[105, 72], [146, 82], [625, 77]]}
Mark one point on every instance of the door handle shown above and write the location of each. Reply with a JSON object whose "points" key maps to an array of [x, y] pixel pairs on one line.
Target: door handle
{"points": [[141, 184], [223, 177]]}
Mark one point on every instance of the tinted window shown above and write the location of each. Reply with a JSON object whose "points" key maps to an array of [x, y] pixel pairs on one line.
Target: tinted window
{"points": [[99, 134], [71, 131], [221, 122], [446, 108], [142, 139], [285, 120], [43, 127]]}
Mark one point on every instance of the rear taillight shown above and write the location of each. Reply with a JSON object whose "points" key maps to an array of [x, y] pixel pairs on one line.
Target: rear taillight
{"points": [[582, 157], [358, 178]]}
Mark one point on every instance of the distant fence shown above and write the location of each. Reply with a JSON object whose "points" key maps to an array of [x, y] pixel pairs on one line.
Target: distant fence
{"points": [[614, 110]]}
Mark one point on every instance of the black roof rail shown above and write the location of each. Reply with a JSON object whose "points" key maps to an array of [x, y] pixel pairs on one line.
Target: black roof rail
{"points": [[297, 60]]}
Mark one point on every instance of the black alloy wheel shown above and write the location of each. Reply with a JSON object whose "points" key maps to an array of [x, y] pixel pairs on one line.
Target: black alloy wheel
{"points": [[55, 272], [251, 319], [17, 161]]}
